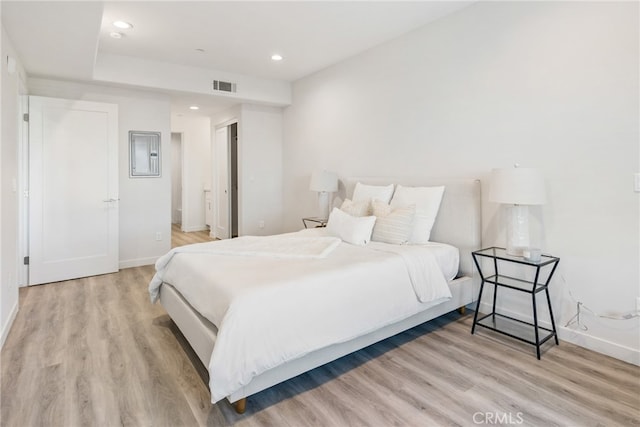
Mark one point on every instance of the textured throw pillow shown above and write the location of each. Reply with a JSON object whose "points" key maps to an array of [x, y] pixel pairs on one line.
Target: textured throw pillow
{"points": [[393, 225], [350, 229], [370, 192], [361, 208], [427, 201]]}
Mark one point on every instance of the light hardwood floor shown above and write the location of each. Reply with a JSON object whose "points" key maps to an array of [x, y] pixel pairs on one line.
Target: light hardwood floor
{"points": [[180, 238], [96, 352]]}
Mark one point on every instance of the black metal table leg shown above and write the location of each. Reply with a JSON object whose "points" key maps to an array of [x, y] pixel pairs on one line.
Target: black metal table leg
{"points": [[475, 315], [535, 324], [553, 322], [546, 289]]}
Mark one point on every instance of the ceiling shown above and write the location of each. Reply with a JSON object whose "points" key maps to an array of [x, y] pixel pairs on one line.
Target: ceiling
{"points": [[63, 39]]}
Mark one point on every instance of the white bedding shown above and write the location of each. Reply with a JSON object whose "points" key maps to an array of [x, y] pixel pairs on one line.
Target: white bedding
{"points": [[273, 309], [293, 245]]}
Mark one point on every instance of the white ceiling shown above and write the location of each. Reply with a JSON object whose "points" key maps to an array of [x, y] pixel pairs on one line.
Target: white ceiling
{"points": [[63, 39], [55, 39]]}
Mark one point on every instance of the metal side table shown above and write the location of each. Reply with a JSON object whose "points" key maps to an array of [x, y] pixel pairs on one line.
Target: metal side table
{"points": [[531, 333]]}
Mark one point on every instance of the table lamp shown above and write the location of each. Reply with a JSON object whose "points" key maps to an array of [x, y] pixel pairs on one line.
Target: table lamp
{"points": [[518, 188], [324, 182]]}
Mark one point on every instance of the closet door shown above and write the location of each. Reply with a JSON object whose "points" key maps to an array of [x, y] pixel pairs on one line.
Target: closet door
{"points": [[73, 189]]}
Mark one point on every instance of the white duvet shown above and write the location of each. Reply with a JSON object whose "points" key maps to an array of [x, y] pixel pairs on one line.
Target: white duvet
{"points": [[273, 307]]}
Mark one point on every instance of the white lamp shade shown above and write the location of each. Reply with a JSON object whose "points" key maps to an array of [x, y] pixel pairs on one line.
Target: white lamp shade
{"points": [[324, 181], [517, 186]]}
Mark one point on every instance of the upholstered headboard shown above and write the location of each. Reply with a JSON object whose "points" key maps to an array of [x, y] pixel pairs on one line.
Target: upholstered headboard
{"points": [[459, 220]]}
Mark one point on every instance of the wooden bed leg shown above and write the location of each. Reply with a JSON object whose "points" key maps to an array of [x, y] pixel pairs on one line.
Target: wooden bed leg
{"points": [[240, 405], [462, 310]]}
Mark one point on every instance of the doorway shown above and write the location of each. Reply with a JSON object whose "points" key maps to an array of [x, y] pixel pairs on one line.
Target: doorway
{"points": [[226, 185], [73, 189], [176, 179], [233, 157]]}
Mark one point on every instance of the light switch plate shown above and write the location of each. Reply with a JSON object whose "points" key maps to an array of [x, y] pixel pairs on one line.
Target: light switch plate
{"points": [[636, 182]]}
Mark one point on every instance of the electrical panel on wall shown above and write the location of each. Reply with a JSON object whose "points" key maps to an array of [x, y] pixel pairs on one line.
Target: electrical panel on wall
{"points": [[221, 86]]}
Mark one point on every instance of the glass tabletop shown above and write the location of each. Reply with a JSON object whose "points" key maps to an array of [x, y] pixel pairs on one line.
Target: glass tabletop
{"points": [[501, 253]]}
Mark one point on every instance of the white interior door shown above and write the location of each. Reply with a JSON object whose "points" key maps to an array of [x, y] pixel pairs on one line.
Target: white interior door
{"points": [[222, 228], [73, 191]]}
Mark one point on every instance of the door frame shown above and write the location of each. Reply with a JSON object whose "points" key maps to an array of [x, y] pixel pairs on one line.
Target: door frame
{"points": [[23, 184]]}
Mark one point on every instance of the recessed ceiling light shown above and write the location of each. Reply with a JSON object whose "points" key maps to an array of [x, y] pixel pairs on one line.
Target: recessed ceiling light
{"points": [[194, 107], [116, 35], [123, 25], [276, 57]]}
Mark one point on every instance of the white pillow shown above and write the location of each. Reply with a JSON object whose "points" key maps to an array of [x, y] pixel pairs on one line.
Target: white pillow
{"points": [[392, 225], [369, 192], [427, 201], [351, 229], [361, 208]]}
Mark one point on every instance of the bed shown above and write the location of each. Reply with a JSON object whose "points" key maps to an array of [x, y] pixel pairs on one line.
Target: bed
{"points": [[457, 225]]}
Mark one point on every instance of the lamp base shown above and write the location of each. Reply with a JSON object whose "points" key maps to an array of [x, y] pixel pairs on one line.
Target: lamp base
{"points": [[517, 229], [323, 204]]}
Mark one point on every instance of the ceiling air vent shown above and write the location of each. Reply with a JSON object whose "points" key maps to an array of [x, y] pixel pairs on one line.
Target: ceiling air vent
{"points": [[224, 86]]}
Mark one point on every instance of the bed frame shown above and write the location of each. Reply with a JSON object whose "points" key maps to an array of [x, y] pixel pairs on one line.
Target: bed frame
{"points": [[458, 223]]}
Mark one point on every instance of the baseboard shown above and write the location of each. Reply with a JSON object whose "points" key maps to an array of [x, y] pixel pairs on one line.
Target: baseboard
{"points": [[599, 345], [577, 337], [139, 262], [7, 327]]}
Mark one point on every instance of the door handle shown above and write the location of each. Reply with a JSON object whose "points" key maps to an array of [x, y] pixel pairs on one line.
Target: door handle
{"points": [[110, 200]]}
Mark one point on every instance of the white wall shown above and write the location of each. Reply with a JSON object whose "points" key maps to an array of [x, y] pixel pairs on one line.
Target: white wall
{"points": [[260, 170], [552, 85], [196, 151], [260, 196], [145, 203], [9, 87]]}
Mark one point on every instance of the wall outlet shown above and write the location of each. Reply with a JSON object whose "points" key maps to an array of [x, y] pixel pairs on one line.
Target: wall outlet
{"points": [[260, 224], [158, 236], [638, 304], [636, 182]]}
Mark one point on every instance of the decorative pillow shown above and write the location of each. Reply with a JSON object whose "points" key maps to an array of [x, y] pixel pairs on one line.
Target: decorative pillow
{"points": [[361, 208], [351, 229], [372, 192], [427, 201], [392, 225]]}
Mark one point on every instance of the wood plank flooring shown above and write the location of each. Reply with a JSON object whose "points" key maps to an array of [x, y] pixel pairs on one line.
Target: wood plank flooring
{"points": [[180, 238], [96, 352]]}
